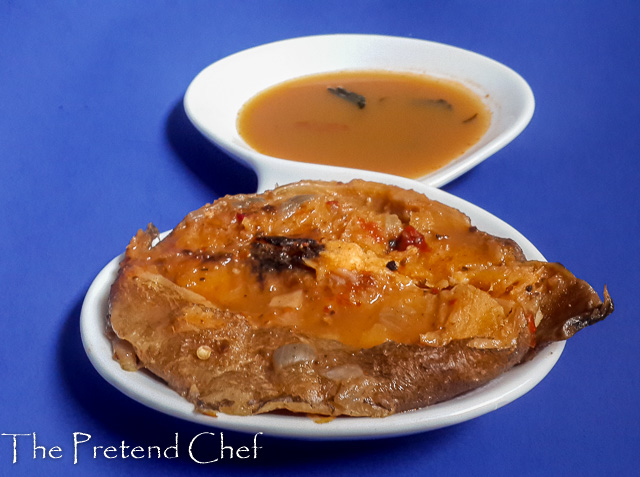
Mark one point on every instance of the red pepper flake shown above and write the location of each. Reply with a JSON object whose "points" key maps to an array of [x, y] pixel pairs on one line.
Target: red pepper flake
{"points": [[410, 237], [453, 301], [332, 204], [532, 329], [328, 310], [372, 229], [239, 217]]}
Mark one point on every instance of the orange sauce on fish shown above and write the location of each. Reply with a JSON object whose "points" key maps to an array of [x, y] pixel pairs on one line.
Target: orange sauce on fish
{"points": [[399, 123], [402, 293]]}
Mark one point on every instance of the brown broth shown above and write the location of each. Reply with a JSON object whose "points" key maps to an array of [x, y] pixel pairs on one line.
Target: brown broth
{"points": [[411, 124]]}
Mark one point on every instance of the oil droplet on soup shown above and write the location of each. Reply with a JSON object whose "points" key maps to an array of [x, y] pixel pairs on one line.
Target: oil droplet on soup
{"points": [[399, 123]]}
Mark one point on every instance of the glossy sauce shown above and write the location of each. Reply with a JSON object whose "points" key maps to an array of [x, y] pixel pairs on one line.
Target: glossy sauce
{"points": [[361, 296], [410, 124]]}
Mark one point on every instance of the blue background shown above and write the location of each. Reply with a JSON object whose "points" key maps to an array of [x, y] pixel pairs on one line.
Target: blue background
{"points": [[94, 144]]}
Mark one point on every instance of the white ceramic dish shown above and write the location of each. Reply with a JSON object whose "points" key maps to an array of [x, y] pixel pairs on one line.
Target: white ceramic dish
{"points": [[150, 391], [215, 96]]}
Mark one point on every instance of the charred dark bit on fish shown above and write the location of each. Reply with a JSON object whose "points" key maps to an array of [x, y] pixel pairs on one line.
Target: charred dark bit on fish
{"points": [[277, 253]]}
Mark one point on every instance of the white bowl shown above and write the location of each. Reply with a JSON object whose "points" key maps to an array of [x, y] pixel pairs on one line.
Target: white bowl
{"points": [[150, 391], [215, 96]]}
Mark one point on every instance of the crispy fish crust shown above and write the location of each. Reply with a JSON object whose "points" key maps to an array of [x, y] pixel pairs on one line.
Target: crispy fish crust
{"points": [[333, 252]]}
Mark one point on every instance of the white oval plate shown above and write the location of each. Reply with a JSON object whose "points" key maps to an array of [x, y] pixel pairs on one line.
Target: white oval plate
{"points": [[215, 96], [148, 390]]}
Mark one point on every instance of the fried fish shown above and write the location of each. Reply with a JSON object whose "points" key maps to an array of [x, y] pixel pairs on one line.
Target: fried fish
{"points": [[356, 299]]}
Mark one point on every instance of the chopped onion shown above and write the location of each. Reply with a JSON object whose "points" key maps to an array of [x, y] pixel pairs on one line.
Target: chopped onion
{"points": [[291, 206], [293, 299], [344, 372], [292, 353]]}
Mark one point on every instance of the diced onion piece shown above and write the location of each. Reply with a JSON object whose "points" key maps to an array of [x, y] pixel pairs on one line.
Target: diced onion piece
{"points": [[344, 372], [293, 299], [293, 353]]}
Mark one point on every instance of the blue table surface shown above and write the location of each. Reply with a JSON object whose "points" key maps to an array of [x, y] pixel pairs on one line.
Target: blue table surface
{"points": [[94, 144]]}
